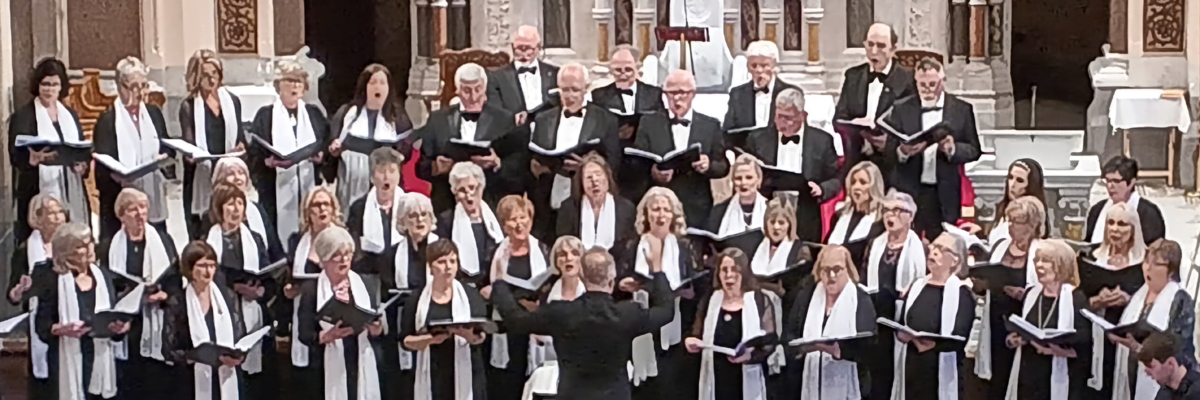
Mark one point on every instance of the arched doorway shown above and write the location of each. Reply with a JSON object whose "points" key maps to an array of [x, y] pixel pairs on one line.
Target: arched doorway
{"points": [[1052, 44], [347, 35]]}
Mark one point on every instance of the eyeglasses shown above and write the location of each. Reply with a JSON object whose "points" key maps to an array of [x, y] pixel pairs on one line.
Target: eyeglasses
{"points": [[1114, 180], [290, 82], [135, 86], [944, 250], [50, 84], [625, 70], [342, 257], [896, 211], [205, 264], [680, 92], [525, 49]]}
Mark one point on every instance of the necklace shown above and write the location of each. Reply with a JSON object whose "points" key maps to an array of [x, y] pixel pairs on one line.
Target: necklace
{"points": [[1041, 321]]}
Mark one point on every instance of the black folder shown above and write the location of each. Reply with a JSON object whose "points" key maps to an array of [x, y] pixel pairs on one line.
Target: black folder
{"points": [[1042, 337], [462, 150], [151, 286], [125, 172], [739, 135], [830, 340], [997, 276], [680, 159], [1139, 329], [757, 342], [683, 280], [776, 179], [633, 119], [69, 153], [334, 311], [533, 284], [210, 353], [787, 270], [295, 156], [125, 310], [848, 127], [898, 327], [928, 136], [366, 146], [747, 241], [241, 275], [553, 159], [1094, 276], [476, 324]]}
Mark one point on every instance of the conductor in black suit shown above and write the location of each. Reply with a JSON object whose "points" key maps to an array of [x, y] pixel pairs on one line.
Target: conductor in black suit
{"points": [[524, 84], [561, 128], [869, 90], [473, 119], [793, 145], [593, 335], [680, 128], [753, 103], [629, 95], [930, 172]]}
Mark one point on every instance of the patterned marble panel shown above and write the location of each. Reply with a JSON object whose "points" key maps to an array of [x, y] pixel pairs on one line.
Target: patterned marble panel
{"points": [[750, 18], [237, 26], [623, 10], [859, 16], [1163, 26]]}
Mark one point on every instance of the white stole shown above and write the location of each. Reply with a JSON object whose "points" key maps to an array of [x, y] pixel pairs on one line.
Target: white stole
{"points": [[1098, 229], [70, 356], [252, 312], [354, 172], [948, 361], [1160, 317], [909, 266], [826, 378], [598, 231], [291, 184], [983, 355], [1060, 382], [223, 324], [61, 181], [137, 144], [764, 264], [334, 356], [464, 379], [153, 264], [401, 259], [299, 350], [464, 236], [860, 232], [372, 222], [732, 221], [202, 182], [754, 385], [537, 265], [39, 351]]}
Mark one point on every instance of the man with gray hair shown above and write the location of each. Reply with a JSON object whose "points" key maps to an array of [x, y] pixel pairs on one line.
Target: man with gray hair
{"points": [[753, 103], [868, 90], [523, 85], [561, 128], [631, 97], [794, 146], [593, 335], [475, 118]]}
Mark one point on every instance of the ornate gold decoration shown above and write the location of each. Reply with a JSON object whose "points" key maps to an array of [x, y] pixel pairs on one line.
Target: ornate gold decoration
{"points": [[450, 60], [1163, 26], [237, 26], [909, 58]]}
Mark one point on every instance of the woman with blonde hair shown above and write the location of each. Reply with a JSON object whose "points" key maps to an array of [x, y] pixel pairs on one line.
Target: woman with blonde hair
{"points": [[1051, 303], [520, 255], [31, 263], [860, 219], [782, 265], [836, 306], [321, 212], [745, 209], [210, 119]]}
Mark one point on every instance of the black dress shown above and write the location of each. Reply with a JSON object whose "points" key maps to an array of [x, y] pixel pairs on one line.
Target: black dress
{"points": [[47, 316], [507, 383], [852, 350], [921, 369], [728, 376], [1091, 281], [104, 141], [261, 385], [301, 384], [441, 356], [179, 341], [42, 276], [214, 133], [263, 176], [1002, 305], [879, 357], [1036, 369], [368, 262]]}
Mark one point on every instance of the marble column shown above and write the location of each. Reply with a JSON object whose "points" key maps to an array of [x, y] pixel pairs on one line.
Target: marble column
{"points": [[813, 16], [644, 20], [602, 12], [960, 32], [1118, 26], [978, 30], [438, 31], [735, 39]]}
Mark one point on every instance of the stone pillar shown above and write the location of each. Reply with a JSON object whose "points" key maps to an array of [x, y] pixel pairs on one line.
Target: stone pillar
{"points": [[1118, 26], [960, 16], [603, 13], [978, 30], [438, 29], [6, 89], [772, 20], [813, 16], [644, 22], [730, 22]]}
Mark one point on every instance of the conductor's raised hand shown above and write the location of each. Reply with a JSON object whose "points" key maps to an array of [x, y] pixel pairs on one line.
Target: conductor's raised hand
{"points": [[629, 285]]}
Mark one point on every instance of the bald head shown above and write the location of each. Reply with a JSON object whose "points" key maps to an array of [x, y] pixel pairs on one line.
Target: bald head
{"points": [[526, 43], [680, 88], [624, 68], [880, 46], [572, 85]]}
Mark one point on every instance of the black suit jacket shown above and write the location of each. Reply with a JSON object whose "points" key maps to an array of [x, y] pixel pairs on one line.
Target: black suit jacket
{"points": [[692, 188], [1153, 227], [494, 123], [646, 99], [819, 165], [504, 89], [598, 123], [741, 104], [906, 176], [592, 335], [853, 104]]}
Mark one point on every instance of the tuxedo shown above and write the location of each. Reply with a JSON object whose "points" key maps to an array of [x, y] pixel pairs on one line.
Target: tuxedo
{"points": [[646, 98], [494, 123], [693, 188], [743, 112], [946, 194], [856, 93], [597, 123], [819, 165], [1153, 227], [504, 86]]}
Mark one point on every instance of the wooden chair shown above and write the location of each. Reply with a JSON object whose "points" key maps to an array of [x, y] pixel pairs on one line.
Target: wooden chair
{"points": [[909, 58], [452, 59]]}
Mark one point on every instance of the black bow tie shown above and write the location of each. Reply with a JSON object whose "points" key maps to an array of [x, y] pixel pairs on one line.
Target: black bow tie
{"points": [[930, 109], [876, 76], [763, 90], [681, 121], [577, 114], [789, 139], [471, 117], [627, 92], [527, 70]]}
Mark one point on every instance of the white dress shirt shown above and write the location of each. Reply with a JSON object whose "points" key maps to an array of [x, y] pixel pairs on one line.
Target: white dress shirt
{"points": [[531, 85], [629, 99], [791, 156], [928, 120], [874, 90], [680, 134], [467, 130], [762, 104], [568, 136]]}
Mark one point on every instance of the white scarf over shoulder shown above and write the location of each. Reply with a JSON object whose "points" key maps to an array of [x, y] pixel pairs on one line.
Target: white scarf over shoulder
{"points": [[39, 351], [948, 361], [1098, 230], [70, 355], [354, 172], [202, 182], [537, 265], [860, 232], [291, 184], [198, 329], [754, 385], [299, 262], [764, 264], [464, 379], [401, 260], [909, 266], [252, 312], [1160, 317], [334, 355], [372, 222], [983, 355], [826, 378], [137, 144], [733, 222], [155, 262], [61, 181], [464, 236], [1060, 382], [598, 231]]}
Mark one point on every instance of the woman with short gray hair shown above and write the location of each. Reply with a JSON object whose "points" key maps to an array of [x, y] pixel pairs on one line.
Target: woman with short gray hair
{"points": [[414, 221], [471, 224], [129, 133], [288, 125], [371, 218], [30, 263]]}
